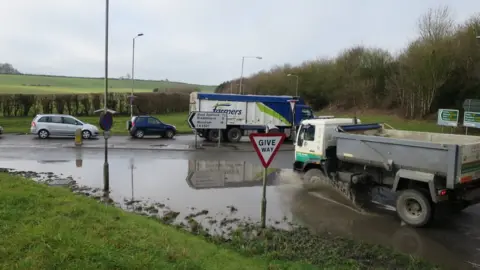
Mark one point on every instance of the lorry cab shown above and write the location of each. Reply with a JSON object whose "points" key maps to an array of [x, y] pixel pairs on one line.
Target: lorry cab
{"points": [[314, 137]]}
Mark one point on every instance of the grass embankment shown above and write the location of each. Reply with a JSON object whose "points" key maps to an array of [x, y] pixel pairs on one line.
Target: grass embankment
{"points": [[22, 124], [42, 84], [51, 228], [45, 227]]}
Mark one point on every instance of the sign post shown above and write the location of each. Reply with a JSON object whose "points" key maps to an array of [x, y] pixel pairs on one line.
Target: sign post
{"points": [[447, 117], [266, 146], [294, 128], [208, 120], [106, 123]]}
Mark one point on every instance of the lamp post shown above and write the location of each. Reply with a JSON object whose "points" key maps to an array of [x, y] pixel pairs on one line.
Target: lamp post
{"points": [[133, 72], [296, 88], [106, 174], [241, 75]]}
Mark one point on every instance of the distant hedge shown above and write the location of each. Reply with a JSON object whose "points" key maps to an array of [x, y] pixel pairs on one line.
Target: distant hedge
{"points": [[86, 104]]}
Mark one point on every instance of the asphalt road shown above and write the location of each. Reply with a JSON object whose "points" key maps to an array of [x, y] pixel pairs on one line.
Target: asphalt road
{"points": [[179, 143], [183, 177]]}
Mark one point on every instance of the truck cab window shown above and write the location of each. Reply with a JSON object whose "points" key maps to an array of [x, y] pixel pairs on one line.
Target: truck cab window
{"points": [[309, 133], [306, 114]]}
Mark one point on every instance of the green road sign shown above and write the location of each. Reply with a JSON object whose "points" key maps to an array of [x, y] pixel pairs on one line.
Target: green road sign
{"points": [[447, 117], [471, 119]]}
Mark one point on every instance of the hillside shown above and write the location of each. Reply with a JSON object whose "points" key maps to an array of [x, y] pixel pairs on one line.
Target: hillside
{"points": [[439, 69], [42, 84]]}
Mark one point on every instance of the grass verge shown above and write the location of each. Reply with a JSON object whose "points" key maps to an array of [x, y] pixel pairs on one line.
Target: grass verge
{"points": [[53, 228], [22, 124]]}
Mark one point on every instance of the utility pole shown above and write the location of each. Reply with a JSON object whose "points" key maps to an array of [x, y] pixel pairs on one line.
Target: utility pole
{"points": [[106, 176], [296, 88], [133, 73], [241, 74]]}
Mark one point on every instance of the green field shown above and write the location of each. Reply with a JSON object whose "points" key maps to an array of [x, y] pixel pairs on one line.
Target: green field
{"points": [[22, 124], [40, 84]]}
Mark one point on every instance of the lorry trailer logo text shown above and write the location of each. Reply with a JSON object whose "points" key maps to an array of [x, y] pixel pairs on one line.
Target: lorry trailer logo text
{"points": [[219, 107]]}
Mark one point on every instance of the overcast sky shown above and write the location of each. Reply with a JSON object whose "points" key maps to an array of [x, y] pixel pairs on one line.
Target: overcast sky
{"points": [[201, 41]]}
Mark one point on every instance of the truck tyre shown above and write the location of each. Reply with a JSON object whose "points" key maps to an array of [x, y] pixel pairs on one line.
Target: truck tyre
{"points": [[414, 207], [312, 178], [213, 135], [234, 135]]}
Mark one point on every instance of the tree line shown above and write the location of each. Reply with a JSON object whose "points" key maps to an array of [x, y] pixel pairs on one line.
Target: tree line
{"points": [[440, 69], [6, 68], [86, 104]]}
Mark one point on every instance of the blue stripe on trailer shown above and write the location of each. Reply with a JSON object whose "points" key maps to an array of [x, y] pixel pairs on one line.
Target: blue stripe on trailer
{"points": [[360, 127], [247, 98]]}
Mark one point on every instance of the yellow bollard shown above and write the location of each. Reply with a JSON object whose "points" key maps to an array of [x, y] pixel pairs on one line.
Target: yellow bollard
{"points": [[79, 158], [78, 137]]}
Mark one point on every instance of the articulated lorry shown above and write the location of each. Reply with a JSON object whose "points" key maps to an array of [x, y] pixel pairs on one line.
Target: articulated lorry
{"points": [[426, 171], [250, 113]]}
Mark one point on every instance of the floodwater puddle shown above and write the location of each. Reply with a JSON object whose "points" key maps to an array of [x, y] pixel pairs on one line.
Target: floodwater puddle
{"points": [[219, 194]]}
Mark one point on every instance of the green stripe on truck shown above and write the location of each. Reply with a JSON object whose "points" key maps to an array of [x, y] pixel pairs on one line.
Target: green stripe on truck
{"points": [[304, 157], [267, 110], [470, 167]]}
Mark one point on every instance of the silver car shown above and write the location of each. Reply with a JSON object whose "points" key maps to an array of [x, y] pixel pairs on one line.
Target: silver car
{"points": [[46, 125]]}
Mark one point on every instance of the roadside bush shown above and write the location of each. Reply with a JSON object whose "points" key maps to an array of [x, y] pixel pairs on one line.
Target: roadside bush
{"points": [[86, 104]]}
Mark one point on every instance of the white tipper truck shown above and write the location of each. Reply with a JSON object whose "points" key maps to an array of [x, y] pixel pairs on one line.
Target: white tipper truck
{"points": [[426, 171]]}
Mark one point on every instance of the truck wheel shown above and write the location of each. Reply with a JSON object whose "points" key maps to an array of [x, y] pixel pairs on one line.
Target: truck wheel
{"points": [[312, 178], [234, 135], [414, 208], [213, 135]]}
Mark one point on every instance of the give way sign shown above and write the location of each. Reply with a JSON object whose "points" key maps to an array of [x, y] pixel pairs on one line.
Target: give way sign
{"points": [[266, 145]]}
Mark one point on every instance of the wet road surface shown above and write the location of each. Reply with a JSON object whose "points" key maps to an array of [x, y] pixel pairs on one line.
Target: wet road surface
{"points": [[188, 182], [180, 142]]}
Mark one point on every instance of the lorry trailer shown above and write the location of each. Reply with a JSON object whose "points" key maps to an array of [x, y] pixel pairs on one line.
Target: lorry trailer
{"points": [[426, 171], [250, 113]]}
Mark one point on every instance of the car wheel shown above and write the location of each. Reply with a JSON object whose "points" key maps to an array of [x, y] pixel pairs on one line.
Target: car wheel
{"points": [[169, 134], [86, 134], [139, 134], [43, 134]]}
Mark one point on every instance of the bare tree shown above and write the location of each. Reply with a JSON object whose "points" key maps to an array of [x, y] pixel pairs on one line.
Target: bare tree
{"points": [[436, 24]]}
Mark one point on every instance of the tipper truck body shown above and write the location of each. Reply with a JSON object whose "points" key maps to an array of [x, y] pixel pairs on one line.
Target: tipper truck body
{"points": [[427, 171]]}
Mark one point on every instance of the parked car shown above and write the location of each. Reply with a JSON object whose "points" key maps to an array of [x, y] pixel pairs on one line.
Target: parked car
{"points": [[46, 125], [139, 126]]}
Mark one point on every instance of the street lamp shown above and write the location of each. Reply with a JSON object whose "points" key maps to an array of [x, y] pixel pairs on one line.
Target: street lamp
{"points": [[296, 88], [243, 61], [106, 169], [133, 72]]}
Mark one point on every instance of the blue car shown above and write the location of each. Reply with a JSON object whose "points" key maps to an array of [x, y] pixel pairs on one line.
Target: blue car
{"points": [[140, 126]]}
